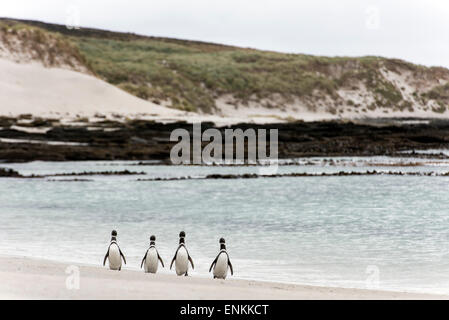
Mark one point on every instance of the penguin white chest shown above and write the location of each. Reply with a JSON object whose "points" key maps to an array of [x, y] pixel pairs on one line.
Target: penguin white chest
{"points": [[182, 261], [115, 261], [151, 261], [221, 266]]}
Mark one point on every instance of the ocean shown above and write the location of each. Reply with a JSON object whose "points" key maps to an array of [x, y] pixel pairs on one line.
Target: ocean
{"points": [[375, 231]]}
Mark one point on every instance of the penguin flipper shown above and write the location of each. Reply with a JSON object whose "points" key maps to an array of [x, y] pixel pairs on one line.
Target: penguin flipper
{"points": [[190, 258], [160, 259], [191, 262], [144, 257], [122, 255], [105, 257], [230, 266], [171, 264], [174, 258], [213, 263]]}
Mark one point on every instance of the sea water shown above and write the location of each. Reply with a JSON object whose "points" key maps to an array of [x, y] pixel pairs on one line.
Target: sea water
{"points": [[378, 232]]}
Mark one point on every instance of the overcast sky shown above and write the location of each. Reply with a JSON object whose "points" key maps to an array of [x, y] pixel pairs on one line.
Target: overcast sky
{"points": [[417, 31]]}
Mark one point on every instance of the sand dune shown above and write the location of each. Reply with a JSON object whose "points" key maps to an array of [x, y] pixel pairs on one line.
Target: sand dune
{"points": [[26, 278], [58, 92], [38, 90]]}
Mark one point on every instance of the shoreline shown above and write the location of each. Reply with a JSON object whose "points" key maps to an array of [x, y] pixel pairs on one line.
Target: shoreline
{"points": [[49, 280], [24, 140]]}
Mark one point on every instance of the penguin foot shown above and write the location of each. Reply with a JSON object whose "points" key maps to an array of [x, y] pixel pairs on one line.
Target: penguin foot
{"points": [[186, 275]]}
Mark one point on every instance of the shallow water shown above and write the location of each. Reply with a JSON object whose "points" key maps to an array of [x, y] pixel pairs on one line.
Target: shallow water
{"points": [[385, 232]]}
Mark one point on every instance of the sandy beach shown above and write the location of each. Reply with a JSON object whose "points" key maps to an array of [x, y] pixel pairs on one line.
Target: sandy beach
{"points": [[29, 278]]}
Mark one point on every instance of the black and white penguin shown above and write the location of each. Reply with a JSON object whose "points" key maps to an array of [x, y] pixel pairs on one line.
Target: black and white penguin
{"points": [[151, 259], [221, 262], [182, 257], [114, 254]]}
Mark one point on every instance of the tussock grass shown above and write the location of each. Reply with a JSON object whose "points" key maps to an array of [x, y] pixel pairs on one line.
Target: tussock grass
{"points": [[190, 75]]}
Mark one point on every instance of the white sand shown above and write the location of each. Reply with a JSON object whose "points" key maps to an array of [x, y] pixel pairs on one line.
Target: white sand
{"points": [[35, 89], [27, 278]]}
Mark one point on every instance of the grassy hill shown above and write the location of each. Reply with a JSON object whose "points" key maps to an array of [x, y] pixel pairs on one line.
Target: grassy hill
{"points": [[194, 76]]}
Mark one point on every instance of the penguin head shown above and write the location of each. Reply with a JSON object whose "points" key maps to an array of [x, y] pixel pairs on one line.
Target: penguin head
{"points": [[182, 235], [222, 243], [113, 235], [152, 240]]}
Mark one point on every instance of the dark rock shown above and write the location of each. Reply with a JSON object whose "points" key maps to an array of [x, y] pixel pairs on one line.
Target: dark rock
{"points": [[10, 173]]}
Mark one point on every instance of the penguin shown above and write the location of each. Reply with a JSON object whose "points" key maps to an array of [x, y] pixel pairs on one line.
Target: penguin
{"points": [[114, 254], [182, 257], [221, 262], [150, 260]]}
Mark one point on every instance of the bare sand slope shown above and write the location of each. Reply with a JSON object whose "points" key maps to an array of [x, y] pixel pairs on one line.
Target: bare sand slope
{"points": [[28, 87], [38, 90], [26, 278]]}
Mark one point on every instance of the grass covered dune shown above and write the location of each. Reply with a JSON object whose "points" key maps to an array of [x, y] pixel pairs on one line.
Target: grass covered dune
{"points": [[199, 76], [28, 278]]}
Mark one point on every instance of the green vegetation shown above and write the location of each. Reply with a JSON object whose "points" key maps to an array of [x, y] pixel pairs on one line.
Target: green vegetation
{"points": [[440, 93], [390, 94], [192, 78], [192, 75], [50, 48], [440, 109]]}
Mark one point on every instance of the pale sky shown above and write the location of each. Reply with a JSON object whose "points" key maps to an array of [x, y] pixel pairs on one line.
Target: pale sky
{"points": [[417, 31]]}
